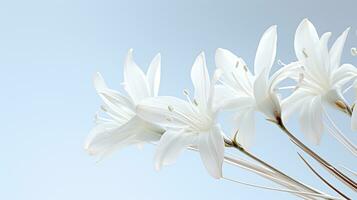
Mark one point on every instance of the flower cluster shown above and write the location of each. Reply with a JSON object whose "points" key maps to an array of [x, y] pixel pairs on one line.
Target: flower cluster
{"points": [[174, 124]]}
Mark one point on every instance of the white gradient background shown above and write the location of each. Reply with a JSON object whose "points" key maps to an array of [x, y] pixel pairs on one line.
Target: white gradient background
{"points": [[49, 51]]}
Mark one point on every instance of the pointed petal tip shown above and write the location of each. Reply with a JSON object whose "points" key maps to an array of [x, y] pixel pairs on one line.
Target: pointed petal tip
{"points": [[129, 55], [346, 31], [157, 167], [305, 20], [87, 145], [271, 29], [220, 50], [97, 76], [98, 81], [88, 150], [274, 27], [199, 58], [328, 34], [157, 57], [217, 175]]}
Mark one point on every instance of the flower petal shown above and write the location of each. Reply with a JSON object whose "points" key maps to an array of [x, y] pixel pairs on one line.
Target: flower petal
{"points": [[116, 105], [201, 81], [292, 70], [337, 48], [222, 93], [266, 100], [211, 147], [236, 74], [170, 146], [168, 112], [343, 74], [109, 136], [306, 39], [325, 61], [231, 65], [266, 51], [153, 75], [311, 120], [135, 80], [294, 103], [246, 128], [237, 103]]}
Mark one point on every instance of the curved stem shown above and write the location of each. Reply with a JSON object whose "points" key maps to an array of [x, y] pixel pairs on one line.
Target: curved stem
{"points": [[330, 168], [275, 170], [323, 179], [277, 189]]}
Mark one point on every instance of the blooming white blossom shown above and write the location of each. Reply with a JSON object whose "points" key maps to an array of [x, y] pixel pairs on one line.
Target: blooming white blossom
{"points": [[248, 93], [173, 124], [323, 79], [124, 127], [188, 123]]}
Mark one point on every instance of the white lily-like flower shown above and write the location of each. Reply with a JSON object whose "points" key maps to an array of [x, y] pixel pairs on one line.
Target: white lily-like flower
{"points": [[124, 127], [323, 79], [188, 123], [248, 93]]}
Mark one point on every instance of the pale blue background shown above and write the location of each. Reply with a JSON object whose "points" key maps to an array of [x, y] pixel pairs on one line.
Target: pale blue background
{"points": [[49, 51]]}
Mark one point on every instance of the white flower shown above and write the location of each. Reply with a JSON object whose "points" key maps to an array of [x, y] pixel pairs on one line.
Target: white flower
{"points": [[248, 93], [124, 127], [188, 123], [323, 78]]}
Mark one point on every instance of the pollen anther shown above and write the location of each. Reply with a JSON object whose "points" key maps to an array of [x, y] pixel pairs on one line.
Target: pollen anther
{"points": [[341, 105], [171, 109], [304, 52]]}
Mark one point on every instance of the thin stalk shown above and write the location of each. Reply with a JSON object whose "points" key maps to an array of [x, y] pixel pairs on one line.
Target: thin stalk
{"points": [[268, 174], [275, 189], [323, 179], [275, 170], [272, 176], [337, 133], [330, 168], [349, 170]]}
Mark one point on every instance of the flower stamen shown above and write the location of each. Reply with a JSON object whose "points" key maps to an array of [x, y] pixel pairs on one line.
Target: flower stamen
{"points": [[304, 52], [340, 104], [171, 109]]}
